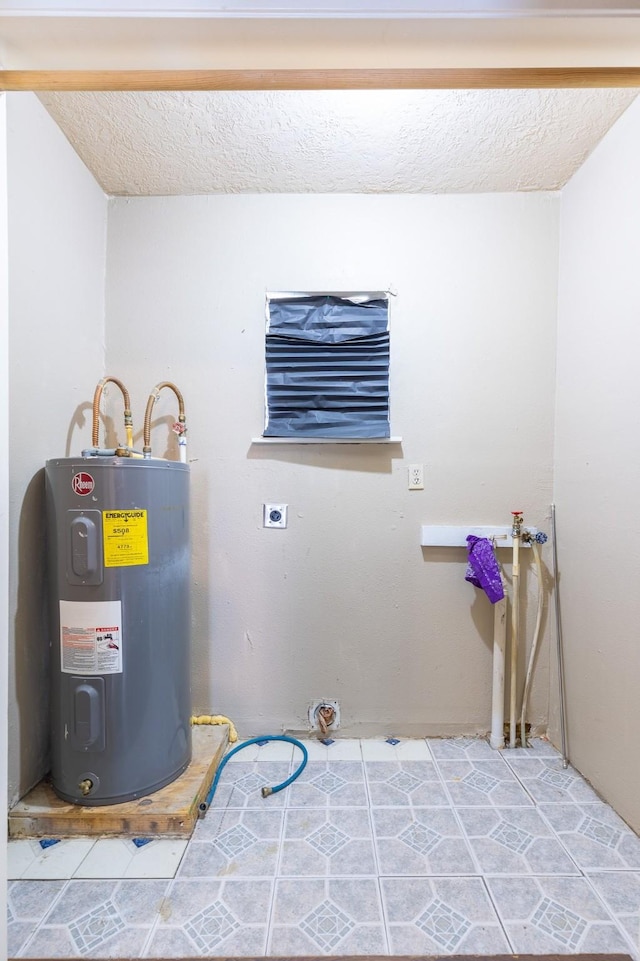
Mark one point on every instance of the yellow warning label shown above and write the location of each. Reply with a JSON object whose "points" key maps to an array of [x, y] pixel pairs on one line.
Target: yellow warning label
{"points": [[125, 538]]}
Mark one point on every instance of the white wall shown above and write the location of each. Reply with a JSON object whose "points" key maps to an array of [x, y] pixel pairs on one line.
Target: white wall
{"points": [[597, 462], [4, 506], [57, 234], [345, 604], [32, 41]]}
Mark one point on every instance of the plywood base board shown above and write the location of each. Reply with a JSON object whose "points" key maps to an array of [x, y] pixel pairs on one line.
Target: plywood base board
{"points": [[171, 812]]}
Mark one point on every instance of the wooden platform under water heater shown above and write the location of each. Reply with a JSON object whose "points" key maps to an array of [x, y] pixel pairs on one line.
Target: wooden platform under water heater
{"points": [[171, 811]]}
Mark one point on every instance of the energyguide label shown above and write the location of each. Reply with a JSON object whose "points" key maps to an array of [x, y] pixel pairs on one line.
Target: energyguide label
{"points": [[125, 538]]}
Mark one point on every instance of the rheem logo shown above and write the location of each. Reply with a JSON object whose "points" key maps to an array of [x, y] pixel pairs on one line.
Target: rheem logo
{"points": [[82, 483]]}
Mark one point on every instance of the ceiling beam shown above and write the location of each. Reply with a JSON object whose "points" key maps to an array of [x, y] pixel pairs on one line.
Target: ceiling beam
{"points": [[319, 79]]}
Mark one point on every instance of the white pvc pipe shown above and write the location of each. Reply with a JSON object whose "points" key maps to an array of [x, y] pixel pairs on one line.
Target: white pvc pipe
{"points": [[534, 645], [563, 720], [497, 700], [515, 614]]}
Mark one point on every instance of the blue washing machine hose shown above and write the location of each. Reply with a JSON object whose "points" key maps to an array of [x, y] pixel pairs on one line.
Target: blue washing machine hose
{"points": [[266, 791]]}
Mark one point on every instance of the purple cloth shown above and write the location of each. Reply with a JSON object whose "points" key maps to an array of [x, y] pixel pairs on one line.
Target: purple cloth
{"points": [[482, 569]]}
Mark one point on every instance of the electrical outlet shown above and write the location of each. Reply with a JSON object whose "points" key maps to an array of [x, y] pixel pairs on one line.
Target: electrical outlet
{"points": [[274, 515], [416, 477]]}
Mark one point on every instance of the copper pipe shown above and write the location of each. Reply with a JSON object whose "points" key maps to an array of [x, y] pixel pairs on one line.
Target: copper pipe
{"points": [[153, 396], [128, 422]]}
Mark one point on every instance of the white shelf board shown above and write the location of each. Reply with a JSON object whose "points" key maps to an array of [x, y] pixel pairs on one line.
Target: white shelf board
{"points": [[326, 440], [446, 535]]}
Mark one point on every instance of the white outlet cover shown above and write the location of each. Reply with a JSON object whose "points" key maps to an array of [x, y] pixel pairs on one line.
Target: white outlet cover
{"points": [[274, 515], [416, 477]]}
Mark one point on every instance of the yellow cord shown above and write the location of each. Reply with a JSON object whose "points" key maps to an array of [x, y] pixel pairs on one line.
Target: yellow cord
{"points": [[217, 719]]}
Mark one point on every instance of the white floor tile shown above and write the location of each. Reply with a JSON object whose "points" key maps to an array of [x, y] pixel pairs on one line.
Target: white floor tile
{"points": [[109, 858], [377, 749], [413, 749], [271, 751], [345, 749], [249, 753], [56, 863], [408, 749], [160, 859], [120, 858], [20, 854], [342, 749], [316, 750]]}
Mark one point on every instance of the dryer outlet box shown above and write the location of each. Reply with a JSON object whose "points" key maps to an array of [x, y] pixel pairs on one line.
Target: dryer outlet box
{"points": [[274, 515]]}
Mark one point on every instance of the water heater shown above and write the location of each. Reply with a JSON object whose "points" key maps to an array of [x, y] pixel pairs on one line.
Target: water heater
{"points": [[118, 533]]}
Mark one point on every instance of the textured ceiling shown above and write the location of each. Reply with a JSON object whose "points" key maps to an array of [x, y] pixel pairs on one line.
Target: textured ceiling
{"points": [[386, 141]]}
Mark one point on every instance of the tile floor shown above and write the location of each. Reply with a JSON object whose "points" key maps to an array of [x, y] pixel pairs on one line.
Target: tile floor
{"points": [[420, 847]]}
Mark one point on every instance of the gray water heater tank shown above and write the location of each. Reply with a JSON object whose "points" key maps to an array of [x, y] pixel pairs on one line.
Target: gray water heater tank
{"points": [[118, 533]]}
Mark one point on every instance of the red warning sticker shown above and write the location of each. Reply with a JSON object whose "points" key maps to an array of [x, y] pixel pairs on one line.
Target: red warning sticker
{"points": [[86, 645], [82, 483]]}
